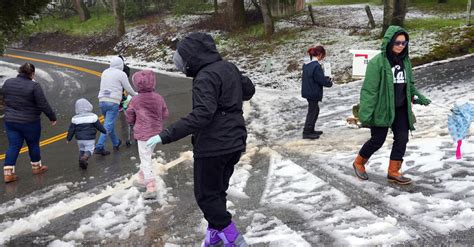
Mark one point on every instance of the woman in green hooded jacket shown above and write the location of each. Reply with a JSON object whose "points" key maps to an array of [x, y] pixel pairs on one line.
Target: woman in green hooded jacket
{"points": [[386, 102]]}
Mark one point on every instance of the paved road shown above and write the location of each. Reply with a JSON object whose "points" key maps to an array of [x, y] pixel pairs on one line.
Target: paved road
{"points": [[180, 222], [63, 86]]}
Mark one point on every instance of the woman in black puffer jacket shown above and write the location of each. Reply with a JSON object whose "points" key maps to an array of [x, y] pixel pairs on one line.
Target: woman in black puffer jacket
{"points": [[24, 102]]}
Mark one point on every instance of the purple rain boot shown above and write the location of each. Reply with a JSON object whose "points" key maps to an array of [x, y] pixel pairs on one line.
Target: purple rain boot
{"points": [[212, 239], [232, 237]]}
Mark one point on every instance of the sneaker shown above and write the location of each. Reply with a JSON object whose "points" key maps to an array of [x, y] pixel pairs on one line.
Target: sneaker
{"points": [[139, 185], [212, 238], [116, 148], [150, 193], [232, 237], [101, 151]]}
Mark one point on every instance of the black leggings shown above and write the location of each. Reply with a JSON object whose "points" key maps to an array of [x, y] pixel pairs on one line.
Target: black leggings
{"points": [[312, 116], [400, 130], [211, 181]]}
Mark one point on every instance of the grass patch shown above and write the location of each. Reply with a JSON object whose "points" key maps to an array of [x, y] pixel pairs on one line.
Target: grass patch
{"points": [[457, 42], [182, 7], [432, 24], [98, 23], [344, 2], [451, 6], [432, 5]]}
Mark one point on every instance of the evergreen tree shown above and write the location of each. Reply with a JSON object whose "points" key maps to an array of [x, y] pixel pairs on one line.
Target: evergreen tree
{"points": [[13, 16]]}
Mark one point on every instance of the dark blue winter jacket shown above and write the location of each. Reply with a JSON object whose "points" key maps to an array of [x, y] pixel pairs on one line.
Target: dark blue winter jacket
{"points": [[84, 124], [25, 101], [313, 81]]}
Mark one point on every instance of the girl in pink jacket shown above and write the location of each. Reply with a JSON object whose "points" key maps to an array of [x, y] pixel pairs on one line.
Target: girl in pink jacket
{"points": [[147, 112]]}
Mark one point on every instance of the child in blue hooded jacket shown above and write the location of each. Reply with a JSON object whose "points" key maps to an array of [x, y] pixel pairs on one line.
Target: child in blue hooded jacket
{"points": [[84, 126]]}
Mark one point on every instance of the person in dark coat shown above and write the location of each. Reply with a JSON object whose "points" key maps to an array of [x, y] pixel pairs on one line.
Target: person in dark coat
{"points": [[312, 89], [218, 128], [84, 126], [126, 69], [24, 101], [2, 104]]}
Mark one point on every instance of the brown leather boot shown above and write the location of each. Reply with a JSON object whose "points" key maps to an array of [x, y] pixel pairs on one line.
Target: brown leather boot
{"points": [[359, 167], [394, 174], [38, 168], [9, 174]]}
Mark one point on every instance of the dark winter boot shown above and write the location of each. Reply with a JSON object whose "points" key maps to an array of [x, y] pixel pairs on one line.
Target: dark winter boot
{"points": [[83, 159], [101, 151], [310, 135], [116, 148], [394, 174], [212, 238], [38, 168], [232, 237], [9, 174], [359, 167], [318, 132]]}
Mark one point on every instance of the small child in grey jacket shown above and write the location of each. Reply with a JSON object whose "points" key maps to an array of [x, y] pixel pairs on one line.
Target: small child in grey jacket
{"points": [[84, 126]]}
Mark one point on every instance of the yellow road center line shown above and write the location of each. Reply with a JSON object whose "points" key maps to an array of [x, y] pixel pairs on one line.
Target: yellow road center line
{"points": [[62, 135], [93, 72]]}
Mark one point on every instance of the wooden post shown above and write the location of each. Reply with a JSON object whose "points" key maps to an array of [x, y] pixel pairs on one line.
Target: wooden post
{"points": [[469, 9], [268, 24], [310, 9], [371, 17]]}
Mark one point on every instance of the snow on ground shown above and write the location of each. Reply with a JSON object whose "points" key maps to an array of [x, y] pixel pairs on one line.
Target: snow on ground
{"points": [[8, 70], [123, 214], [34, 198], [442, 199], [340, 29], [447, 203]]}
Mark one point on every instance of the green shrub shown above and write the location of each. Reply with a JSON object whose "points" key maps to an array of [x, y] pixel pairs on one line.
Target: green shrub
{"points": [[181, 7], [432, 24]]}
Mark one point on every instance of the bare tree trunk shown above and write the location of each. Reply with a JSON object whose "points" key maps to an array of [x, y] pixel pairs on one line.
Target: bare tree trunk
{"points": [[387, 15], [394, 12], [267, 18], [469, 9], [370, 16], [310, 9], [82, 10], [216, 7], [236, 13], [399, 12], [119, 18]]}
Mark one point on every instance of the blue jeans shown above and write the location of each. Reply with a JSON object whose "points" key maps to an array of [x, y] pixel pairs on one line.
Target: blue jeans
{"points": [[17, 133], [110, 111]]}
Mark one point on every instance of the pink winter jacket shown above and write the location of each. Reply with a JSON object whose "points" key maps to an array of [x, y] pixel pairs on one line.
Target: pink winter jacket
{"points": [[147, 110]]}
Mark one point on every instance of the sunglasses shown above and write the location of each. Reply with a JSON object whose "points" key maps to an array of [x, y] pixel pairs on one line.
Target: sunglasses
{"points": [[400, 43]]}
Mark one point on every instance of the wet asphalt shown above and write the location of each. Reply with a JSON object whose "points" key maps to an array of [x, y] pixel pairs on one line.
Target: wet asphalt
{"points": [[62, 88], [180, 220]]}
